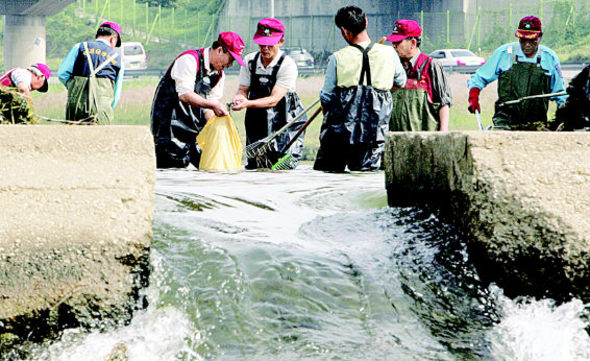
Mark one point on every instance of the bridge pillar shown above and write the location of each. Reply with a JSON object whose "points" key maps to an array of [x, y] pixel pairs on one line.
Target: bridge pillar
{"points": [[24, 40]]}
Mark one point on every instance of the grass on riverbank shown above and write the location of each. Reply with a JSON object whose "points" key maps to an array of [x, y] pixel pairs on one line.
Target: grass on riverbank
{"points": [[136, 101]]}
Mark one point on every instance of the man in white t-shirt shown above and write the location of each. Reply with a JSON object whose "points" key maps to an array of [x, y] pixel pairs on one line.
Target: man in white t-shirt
{"points": [[267, 91], [26, 80], [187, 96]]}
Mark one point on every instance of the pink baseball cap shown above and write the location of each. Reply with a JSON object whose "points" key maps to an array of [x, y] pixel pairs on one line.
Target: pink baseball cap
{"points": [[115, 27], [44, 69], [529, 28], [404, 29], [234, 44], [269, 32]]}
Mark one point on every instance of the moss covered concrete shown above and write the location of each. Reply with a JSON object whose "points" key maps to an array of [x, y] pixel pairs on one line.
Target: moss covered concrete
{"points": [[75, 227], [522, 199]]}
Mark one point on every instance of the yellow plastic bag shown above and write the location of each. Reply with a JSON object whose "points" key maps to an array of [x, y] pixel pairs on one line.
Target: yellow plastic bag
{"points": [[220, 141]]}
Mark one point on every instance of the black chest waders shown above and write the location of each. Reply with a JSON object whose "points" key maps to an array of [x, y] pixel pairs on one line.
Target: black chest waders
{"points": [[522, 79], [176, 124], [355, 123], [262, 122]]}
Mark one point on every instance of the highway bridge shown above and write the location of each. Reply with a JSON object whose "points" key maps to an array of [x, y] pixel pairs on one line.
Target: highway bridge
{"points": [[24, 29]]}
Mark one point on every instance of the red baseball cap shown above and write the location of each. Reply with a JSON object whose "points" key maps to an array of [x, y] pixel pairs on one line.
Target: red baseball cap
{"points": [[529, 28], [234, 44], [114, 26], [44, 69], [404, 29], [269, 32]]}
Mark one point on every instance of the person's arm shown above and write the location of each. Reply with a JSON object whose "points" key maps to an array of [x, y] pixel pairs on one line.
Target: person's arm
{"points": [[215, 95], [443, 115], [64, 73], [22, 79], [441, 93], [278, 93], [490, 71], [330, 82], [184, 71], [557, 82], [118, 85]]}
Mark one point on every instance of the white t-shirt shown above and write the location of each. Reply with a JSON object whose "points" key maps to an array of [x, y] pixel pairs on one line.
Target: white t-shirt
{"points": [[184, 72], [286, 76], [20, 75]]}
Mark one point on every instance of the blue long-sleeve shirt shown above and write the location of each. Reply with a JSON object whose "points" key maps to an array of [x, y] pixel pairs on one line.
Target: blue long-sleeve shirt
{"points": [[501, 60], [66, 68]]}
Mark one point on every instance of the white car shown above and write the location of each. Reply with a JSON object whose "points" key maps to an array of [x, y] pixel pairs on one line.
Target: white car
{"points": [[134, 56], [457, 57]]}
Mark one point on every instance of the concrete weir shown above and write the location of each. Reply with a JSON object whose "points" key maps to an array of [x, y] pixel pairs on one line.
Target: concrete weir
{"points": [[75, 226], [522, 199]]}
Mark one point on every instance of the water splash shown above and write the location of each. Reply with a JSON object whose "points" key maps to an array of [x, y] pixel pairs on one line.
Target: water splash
{"points": [[540, 330]]}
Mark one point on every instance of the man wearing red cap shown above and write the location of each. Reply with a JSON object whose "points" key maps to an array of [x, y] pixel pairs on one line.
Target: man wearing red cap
{"points": [[423, 104], [522, 69], [93, 74], [26, 80], [356, 98], [267, 91], [187, 96]]}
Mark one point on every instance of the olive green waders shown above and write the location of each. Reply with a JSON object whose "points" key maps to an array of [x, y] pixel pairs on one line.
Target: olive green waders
{"points": [[91, 98], [522, 79], [413, 112]]}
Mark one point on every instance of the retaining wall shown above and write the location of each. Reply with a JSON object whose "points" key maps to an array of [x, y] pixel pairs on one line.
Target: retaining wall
{"points": [[75, 226], [522, 199]]}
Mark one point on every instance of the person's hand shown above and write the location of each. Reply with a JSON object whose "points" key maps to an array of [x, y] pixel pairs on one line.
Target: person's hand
{"points": [[240, 102], [474, 100], [219, 109]]}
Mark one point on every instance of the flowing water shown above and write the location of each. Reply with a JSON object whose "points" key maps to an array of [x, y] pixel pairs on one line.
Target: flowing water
{"points": [[305, 265]]}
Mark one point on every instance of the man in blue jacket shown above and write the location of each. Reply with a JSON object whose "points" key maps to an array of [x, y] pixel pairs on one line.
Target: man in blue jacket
{"points": [[93, 73], [523, 69]]}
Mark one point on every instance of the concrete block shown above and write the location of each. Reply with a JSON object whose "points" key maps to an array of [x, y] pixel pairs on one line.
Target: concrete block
{"points": [[523, 199], [75, 225]]}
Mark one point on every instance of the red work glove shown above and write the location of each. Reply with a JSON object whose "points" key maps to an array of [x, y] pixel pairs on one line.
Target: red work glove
{"points": [[474, 100]]}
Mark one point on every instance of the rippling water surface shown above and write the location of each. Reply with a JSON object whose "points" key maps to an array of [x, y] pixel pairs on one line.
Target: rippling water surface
{"points": [[305, 265]]}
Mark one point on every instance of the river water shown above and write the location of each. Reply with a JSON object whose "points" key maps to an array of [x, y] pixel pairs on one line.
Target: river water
{"points": [[305, 265]]}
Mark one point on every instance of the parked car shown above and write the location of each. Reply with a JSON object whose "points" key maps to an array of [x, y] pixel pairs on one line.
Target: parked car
{"points": [[457, 57], [302, 57], [134, 56]]}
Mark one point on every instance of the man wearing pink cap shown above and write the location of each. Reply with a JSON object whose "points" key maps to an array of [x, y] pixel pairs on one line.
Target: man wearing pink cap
{"points": [[356, 98], [267, 91], [522, 69], [187, 96], [93, 74], [423, 103], [26, 80]]}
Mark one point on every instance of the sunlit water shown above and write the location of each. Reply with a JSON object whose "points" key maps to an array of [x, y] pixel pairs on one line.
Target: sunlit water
{"points": [[305, 265]]}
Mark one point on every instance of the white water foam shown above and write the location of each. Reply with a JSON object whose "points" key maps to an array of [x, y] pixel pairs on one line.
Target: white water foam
{"points": [[539, 330], [160, 335]]}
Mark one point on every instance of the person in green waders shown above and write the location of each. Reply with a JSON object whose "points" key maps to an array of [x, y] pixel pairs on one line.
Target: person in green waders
{"points": [[423, 103], [522, 69], [93, 74]]}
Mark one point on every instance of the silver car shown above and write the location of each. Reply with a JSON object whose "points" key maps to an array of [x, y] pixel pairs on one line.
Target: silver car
{"points": [[302, 57]]}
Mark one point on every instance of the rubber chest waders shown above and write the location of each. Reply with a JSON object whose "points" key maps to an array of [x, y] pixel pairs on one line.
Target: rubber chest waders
{"points": [[522, 79], [354, 127], [91, 97], [413, 109], [176, 124], [262, 122]]}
